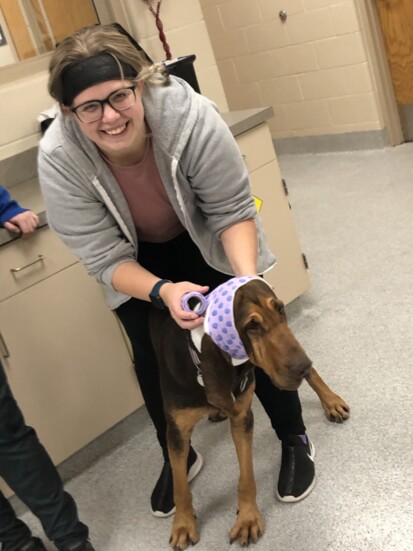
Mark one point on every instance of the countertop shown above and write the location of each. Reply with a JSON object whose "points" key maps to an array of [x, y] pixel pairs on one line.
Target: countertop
{"points": [[241, 121], [29, 196]]}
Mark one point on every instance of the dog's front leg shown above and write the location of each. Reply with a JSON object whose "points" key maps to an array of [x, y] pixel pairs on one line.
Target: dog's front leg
{"points": [[179, 432], [334, 406], [249, 525]]}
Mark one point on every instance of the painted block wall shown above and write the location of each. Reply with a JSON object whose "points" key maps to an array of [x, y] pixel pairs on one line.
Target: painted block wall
{"points": [[186, 33], [312, 68]]}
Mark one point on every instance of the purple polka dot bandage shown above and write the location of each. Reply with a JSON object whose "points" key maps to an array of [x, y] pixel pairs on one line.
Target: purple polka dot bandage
{"points": [[219, 317], [195, 302]]}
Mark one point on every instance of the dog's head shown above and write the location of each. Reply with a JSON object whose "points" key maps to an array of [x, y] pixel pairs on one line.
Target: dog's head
{"points": [[262, 326]]}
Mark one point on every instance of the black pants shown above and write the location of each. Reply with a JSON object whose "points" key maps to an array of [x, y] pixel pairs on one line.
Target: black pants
{"points": [[28, 470], [180, 260]]}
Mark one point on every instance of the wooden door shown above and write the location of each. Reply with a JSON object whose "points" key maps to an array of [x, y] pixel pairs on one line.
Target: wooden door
{"points": [[18, 29], [36, 26], [66, 17], [396, 21]]}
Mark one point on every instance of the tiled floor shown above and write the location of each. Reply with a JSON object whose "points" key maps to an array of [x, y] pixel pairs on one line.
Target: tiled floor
{"points": [[354, 214]]}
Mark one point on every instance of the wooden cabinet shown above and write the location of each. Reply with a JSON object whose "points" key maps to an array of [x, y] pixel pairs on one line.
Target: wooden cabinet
{"points": [[62, 348], [289, 277]]}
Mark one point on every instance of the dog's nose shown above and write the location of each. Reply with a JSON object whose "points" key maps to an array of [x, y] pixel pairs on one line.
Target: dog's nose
{"points": [[301, 367]]}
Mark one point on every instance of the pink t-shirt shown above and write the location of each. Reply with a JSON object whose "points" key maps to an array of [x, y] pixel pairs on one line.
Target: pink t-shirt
{"points": [[152, 212]]}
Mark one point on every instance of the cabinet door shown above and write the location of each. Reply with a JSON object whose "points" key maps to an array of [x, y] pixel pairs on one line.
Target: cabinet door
{"points": [[68, 364], [289, 277]]}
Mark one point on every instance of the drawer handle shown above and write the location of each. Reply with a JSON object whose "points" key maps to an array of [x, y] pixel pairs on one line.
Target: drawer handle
{"points": [[6, 353], [40, 259]]}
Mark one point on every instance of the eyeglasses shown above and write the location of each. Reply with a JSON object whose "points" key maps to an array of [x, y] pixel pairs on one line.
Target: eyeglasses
{"points": [[92, 111]]}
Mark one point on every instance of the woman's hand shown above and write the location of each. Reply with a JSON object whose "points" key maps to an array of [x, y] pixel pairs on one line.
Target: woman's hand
{"points": [[172, 295]]}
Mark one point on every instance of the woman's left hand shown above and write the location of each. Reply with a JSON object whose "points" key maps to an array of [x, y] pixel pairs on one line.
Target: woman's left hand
{"points": [[172, 295]]}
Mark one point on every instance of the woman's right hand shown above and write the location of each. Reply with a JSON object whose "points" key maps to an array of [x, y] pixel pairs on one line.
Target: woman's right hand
{"points": [[172, 295]]}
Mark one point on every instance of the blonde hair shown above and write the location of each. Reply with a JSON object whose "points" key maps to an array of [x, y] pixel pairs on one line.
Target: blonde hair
{"points": [[93, 40]]}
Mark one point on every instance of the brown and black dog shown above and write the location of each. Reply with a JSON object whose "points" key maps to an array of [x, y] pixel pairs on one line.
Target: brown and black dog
{"points": [[270, 345]]}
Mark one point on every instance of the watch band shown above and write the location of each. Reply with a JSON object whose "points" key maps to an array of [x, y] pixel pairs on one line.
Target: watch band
{"points": [[154, 294]]}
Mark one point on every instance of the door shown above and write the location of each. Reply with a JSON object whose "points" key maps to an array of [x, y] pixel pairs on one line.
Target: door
{"points": [[35, 26], [396, 21]]}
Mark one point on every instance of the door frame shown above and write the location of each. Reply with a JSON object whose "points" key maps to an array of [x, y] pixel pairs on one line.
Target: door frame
{"points": [[382, 81]]}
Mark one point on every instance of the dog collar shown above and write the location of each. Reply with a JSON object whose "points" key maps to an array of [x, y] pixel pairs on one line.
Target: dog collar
{"points": [[219, 317]]}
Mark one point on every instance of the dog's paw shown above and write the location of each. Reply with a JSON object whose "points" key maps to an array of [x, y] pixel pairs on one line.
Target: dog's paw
{"points": [[248, 528], [336, 409], [184, 533]]}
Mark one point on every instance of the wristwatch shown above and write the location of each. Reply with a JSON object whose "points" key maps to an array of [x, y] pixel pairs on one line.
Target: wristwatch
{"points": [[154, 294]]}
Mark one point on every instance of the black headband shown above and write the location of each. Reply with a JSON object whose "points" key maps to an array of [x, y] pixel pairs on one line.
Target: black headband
{"points": [[93, 70]]}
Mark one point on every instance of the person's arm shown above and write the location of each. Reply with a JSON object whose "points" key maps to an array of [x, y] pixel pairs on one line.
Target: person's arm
{"points": [[217, 174], [134, 280], [241, 245], [15, 218]]}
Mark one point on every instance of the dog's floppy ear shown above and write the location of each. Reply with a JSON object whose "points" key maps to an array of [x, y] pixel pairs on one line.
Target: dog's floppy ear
{"points": [[218, 374]]}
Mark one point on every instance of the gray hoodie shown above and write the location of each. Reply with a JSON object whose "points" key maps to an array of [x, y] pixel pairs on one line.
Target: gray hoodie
{"points": [[200, 166]]}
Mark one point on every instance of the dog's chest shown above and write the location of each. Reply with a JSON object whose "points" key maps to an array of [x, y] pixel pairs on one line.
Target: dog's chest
{"points": [[243, 376]]}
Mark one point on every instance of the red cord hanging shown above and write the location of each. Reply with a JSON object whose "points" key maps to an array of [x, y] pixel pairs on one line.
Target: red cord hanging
{"points": [[159, 26]]}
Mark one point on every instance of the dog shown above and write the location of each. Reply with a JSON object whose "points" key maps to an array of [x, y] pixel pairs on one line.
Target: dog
{"points": [[199, 377]]}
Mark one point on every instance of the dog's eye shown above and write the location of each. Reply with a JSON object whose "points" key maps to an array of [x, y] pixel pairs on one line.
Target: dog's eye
{"points": [[279, 307], [253, 325]]}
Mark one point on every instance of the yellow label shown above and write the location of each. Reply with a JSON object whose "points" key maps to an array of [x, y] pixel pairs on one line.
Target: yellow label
{"points": [[258, 203]]}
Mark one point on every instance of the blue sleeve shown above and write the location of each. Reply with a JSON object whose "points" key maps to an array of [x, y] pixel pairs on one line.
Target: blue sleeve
{"points": [[8, 207]]}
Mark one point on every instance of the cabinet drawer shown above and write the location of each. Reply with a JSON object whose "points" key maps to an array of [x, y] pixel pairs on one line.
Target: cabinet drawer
{"points": [[256, 146], [26, 261]]}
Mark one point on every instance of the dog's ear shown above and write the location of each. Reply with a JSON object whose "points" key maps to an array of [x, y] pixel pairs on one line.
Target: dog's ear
{"points": [[218, 374]]}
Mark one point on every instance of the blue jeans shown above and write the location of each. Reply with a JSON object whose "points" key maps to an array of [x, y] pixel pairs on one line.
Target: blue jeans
{"points": [[28, 470]]}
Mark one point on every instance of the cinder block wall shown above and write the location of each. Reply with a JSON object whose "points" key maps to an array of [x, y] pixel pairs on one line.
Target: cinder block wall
{"points": [[186, 33], [312, 68]]}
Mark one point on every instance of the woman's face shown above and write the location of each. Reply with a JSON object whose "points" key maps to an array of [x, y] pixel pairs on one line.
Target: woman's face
{"points": [[120, 135]]}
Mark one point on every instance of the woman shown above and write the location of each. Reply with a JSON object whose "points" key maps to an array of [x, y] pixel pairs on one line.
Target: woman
{"points": [[145, 184]]}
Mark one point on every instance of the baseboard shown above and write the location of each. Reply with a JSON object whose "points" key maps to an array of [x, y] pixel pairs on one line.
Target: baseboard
{"points": [[351, 141]]}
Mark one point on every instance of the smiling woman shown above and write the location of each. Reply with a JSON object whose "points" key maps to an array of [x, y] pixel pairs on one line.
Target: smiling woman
{"points": [[148, 189], [35, 26]]}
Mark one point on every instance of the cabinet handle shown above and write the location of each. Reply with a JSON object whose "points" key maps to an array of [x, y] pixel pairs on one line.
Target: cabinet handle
{"points": [[40, 259], [244, 156], [6, 353]]}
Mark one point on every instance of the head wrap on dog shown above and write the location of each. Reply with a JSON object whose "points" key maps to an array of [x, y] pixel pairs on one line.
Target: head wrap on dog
{"points": [[219, 317], [93, 70]]}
